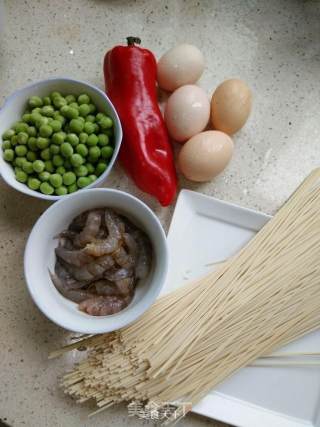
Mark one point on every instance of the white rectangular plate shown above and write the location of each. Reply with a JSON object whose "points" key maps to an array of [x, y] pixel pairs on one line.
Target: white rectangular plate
{"points": [[203, 231]]}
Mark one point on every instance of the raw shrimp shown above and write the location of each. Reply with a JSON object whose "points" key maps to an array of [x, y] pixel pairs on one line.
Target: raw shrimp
{"points": [[125, 286], [131, 245], [79, 222], [144, 257], [69, 282], [123, 259], [105, 287], [92, 271], [75, 295], [103, 305], [75, 257], [111, 243], [114, 274], [90, 229]]}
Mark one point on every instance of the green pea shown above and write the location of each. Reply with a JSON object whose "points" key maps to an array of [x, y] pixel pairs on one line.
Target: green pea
{"points": [[92, 108], [83, 137], [74, 105], [83, 99], [35, 101], [73, 139], [21, 176], [38, 166], [44, 176], [76, 160], [32, 131], [55, 180], [93, 177], [105, 123], [83, 181], [106, 152], [14, 140], [54, 149], [82, 119], [90, 168], [55, 95], [34, 183], [6, 145], [96, 128], [41, 122], [84, 110], [45, 131], [60, 169], [31, 156], [26, 117], [8, 155], [57, 160], [56, 125], [58, 138], [70, 99], [8, 134], [88, 127], [59, 117], [21, 150], [46, 188], [108, 132], [35, 118], [92, 140], [20, 127], [45, 154], [42, 143], [90, 118], [99, 116], [27, 167], [66, 149], [82, 150], [18, 161], [94, 152], [36, 110], [22, 138], [67, 164], [32, 143], [46, 100], [69, 178], [103, 140], [101, 167], [72, 188], [48, 110], [81, 171], [49, 166], [59, 101], [61, 191], [76, 126]]}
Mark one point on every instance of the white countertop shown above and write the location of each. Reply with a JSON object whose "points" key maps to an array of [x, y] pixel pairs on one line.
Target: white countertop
{"points": [[273, 45]]}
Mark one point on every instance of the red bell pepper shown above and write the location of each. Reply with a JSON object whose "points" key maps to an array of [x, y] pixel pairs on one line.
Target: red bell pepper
{"points": [[146, 153]]}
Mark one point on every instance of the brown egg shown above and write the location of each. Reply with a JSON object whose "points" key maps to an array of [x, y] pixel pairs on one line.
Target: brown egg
{"points": [[230, 106], [205, 155]]}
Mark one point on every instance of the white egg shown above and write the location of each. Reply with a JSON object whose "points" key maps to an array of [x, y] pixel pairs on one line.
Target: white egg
{"points": [[181, 65], [187, 112], [205, 155]]}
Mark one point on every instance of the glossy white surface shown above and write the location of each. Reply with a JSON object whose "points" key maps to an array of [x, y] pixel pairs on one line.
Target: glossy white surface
{"points": [[272, 45], [205, 231]]}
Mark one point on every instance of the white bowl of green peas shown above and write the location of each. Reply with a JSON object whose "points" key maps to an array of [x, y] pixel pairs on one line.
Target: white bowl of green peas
{"points": [[58, 136]]}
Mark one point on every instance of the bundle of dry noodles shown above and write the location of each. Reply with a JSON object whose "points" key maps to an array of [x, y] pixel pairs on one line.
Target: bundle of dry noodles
{"points": [[194, 338]]}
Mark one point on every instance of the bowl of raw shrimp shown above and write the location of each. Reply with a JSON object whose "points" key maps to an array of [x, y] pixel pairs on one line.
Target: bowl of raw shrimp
{"points": [[96, 261]]}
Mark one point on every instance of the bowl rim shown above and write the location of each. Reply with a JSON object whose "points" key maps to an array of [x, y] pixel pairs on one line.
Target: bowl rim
{"points": [[9, 99], [130, 316]]}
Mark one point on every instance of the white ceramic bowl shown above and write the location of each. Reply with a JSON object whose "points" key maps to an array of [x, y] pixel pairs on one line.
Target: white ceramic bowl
{"points": [[15, 106], [39, 256]]}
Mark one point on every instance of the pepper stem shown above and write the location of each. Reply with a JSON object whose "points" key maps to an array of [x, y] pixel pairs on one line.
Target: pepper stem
{"points": [[132, 40]]}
